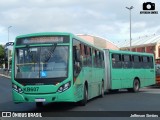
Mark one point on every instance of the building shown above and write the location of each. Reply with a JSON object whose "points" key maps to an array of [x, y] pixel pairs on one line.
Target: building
{"points": [[98, 41], [149, 44]]}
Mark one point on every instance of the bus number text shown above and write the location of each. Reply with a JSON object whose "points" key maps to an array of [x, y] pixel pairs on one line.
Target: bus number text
{"points": [[31, 89]]}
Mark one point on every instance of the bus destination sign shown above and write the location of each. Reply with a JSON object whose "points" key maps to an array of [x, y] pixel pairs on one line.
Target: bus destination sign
{"points": [[43, 39]]}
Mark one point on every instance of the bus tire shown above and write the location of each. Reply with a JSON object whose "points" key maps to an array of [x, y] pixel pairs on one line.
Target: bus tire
{"points": [[85, 97], [102, 90], [39, 104], [136, 86]]}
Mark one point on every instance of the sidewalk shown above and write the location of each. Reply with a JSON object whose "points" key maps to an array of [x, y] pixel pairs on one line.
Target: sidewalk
{"points": [[5, 73], [5, 76]]}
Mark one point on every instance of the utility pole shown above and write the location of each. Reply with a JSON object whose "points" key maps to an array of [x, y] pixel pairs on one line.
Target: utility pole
{"points": [[8, 48], [130, 26]]}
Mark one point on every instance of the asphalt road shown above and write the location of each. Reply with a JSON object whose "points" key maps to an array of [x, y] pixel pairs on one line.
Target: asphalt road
{"points": [[148, 99]]}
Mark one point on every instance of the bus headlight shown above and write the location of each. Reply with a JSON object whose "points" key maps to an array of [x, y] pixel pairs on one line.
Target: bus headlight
{"points": [[64, 87], [17, 89]]}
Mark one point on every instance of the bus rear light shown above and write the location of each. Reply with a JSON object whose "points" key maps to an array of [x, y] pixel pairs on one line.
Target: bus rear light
{"points": [[64, 87]]}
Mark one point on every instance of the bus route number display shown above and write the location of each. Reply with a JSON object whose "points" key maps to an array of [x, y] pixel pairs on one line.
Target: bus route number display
{"points": [[42, 40]]}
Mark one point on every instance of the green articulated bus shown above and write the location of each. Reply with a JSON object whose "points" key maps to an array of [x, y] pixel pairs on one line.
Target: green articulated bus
{"points": [[131, 70], [61, 67], [56, 67]]}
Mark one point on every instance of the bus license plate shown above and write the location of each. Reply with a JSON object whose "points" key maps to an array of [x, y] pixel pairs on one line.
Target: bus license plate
{"points": [[40, 100]]}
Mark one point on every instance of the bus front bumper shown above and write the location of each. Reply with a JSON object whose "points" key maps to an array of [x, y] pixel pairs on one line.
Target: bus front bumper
{"points": [[66, 96]]}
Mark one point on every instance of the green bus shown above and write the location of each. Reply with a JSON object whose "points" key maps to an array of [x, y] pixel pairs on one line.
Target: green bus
{"points": [[56, 67], [131, 70]]}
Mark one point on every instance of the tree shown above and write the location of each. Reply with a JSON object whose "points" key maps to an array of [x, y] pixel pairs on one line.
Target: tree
{"points": [[1, 55]]}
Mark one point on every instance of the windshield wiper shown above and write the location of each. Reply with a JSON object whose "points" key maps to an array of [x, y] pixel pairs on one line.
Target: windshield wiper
{"points": [[29, 52], [48, 56]]}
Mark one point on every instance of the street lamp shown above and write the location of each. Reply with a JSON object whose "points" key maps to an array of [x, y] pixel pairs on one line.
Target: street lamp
{"points": [[8, 48], [130, 26]]}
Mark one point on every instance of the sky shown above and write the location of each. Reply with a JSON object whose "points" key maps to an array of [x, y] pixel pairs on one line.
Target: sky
{"points": [[108, 19]]}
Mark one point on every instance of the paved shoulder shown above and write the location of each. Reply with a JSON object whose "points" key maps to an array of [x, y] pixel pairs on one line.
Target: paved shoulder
{"points": [[151, 90]]}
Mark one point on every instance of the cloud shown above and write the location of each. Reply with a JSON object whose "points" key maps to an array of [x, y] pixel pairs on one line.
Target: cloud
{"points": [[109, 19]]}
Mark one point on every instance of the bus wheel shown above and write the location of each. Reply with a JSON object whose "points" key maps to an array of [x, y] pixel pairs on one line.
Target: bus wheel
{"points": [[102, 90], [85, 97], [136, 86], [39, 104]]}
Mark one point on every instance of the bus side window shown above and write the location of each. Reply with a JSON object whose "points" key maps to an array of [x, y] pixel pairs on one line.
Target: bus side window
{"points": [[89, 57], [86, 56], [145, 61], [85, 50], [76, 54], [151, 62], [127, 62], [116, 61], [137, 61], [101, 59], [98, 59], [82, 55], [76, 57], [94, 53]]}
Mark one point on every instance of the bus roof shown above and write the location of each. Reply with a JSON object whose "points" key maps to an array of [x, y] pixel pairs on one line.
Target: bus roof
{"points": [[57, 33], [129, 52], [43, 34]]}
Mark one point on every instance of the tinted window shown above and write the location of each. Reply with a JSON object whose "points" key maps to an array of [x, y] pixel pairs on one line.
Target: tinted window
{"points": [[151, 62], [136, 61], [87, 58], [116, 61], [77, 62], [95, 58], [127, 62], [145, 62]]}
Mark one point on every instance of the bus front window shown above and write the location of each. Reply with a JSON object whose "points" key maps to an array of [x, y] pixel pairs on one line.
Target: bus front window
{"points": [[41, 62], [54, 61]]}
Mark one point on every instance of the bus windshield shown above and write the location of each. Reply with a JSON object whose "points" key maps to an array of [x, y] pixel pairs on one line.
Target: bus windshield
{"points": [[41, 62]]}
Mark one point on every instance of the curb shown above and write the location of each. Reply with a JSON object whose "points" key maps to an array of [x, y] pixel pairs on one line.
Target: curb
{"points": [[5, 76]]}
